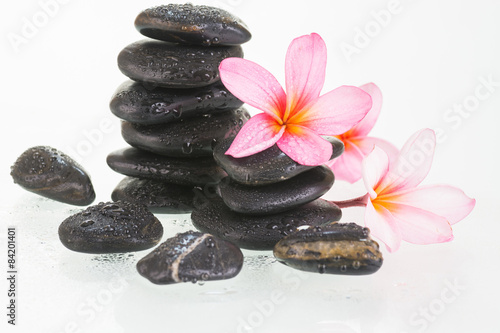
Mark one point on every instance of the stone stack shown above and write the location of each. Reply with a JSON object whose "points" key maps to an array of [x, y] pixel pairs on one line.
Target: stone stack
{"points": [[265, 197], [175, 108]]}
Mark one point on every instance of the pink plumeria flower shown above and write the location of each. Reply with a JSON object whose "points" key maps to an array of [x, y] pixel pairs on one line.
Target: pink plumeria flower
{"points": [[295, 120], [396, 209], [357, 144]]}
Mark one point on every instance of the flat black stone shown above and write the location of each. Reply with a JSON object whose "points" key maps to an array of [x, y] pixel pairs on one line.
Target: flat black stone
{"points": [[191, 257], [139, 103], [170, 198], [187, 23], [183, 171], [267, 167], [259, 232], [190, 137], [274, 198], [111, 227], [333, 249], [50, 173], [164, 64]]}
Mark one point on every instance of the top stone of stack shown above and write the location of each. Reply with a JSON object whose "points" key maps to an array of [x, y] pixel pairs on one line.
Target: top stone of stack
{"points": [[189, 24]]}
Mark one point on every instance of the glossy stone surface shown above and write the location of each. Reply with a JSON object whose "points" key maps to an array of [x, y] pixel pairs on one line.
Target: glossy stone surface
{"points": [[279, 197], [183, 171], [267, 167], [259, 232], [190, 137], [191, 257], [173, 65], [111, 227], [170, 198], [187, 23], [142, 104], [334, 249], [50, 173]]}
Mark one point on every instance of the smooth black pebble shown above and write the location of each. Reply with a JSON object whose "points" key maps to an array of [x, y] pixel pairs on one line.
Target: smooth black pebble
{"points": [[191, 257], [187, 23], [183, 171], [111, 227], [337, 248], [50, 173], [164, 197], [259, 232], [267, 167], [138, 103], [190, 137], [171, 65], [279, 197]]}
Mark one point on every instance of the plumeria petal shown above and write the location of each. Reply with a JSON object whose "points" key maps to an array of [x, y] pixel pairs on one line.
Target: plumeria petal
{"points": [[258, 134], [305, 67], [443, 200], [375, 169], [335, 112], [348, 165], [412, 164], [366, 145], [365, 126], [383, 226], [254, 85], [304, 146], [419, 226]]}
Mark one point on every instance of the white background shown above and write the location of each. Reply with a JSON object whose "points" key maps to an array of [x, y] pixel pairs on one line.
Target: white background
{"points": [[431, 56]]}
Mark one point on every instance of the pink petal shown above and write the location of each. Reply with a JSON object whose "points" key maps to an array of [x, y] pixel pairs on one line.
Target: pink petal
{"points": [[366, 145], [304, 146], [253, 85], [347, 166], [365, 126], [419, 226], [305, 67], [258, 134], [375, 169], [443, 200], [383, 226], [412, 164], [335, 112]]}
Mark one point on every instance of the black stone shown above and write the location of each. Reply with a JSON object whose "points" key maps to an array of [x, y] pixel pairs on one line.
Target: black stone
{"points": [[111, 227], [187, 23], [259, 232], [190, 137], [191, 257], [172, 65], [279, 197], [139, 103], [333, 249], [267, 167], [50, 173], [183, 171], [170, 198]]}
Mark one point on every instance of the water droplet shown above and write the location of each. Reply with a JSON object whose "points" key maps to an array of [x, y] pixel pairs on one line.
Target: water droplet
{"points": [[87, 223], [187, 148], [321, 268], [343, 268], [356, 265]]}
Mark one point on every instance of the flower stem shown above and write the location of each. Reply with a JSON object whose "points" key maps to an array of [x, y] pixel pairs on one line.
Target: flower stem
{"points": [[356, 202]]}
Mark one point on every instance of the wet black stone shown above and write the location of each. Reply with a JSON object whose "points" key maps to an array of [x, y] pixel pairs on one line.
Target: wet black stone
{"points": [[183, 171], [279, 197], [267, 167], [191, 257], [169, 198], [333, 249], [259, 232], [190, 137], [111, 227], [172, 65], [187, 23], [50, 173], [139, 103]]}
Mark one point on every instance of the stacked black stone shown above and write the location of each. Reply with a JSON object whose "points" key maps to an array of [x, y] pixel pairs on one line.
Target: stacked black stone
{"points": [[175, 108], [265, 197]]}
